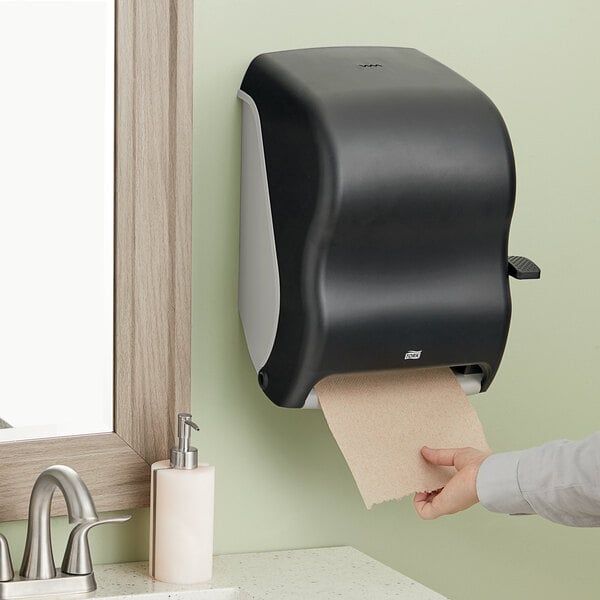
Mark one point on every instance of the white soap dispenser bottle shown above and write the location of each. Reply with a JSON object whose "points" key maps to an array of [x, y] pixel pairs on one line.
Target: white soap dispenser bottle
{"points": [[182, 513]]}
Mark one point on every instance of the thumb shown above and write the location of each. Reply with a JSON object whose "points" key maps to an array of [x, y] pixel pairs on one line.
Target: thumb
{"points": [[444, 457]]}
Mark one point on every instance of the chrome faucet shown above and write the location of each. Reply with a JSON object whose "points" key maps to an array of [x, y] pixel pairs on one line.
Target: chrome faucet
{"points": [[38, 562], [38, 574]]}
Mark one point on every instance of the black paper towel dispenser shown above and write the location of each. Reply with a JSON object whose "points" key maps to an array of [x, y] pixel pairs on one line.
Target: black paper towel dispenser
{"points": [[377, 191]]}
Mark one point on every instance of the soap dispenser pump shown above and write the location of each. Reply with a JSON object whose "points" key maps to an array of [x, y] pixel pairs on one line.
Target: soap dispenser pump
{"points": [[184, 456], [182, 512]]}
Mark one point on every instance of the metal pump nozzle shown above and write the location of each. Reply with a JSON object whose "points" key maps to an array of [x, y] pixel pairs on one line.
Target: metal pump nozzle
{"points": [[184, 456]]}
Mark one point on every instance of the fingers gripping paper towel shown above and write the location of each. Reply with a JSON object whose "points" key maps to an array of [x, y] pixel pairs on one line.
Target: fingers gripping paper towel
{"points": [[381, 420]]}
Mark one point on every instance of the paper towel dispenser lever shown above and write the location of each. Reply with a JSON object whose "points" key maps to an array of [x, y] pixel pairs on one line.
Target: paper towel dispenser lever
{"points": [[377, 192], [520, 267]]}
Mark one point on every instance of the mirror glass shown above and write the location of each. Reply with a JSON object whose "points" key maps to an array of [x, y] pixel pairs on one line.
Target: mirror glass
{"points": [[56, 217]]}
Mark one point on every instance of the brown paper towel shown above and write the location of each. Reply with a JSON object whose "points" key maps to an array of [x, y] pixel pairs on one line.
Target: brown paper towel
{"points": [[381, 420]]}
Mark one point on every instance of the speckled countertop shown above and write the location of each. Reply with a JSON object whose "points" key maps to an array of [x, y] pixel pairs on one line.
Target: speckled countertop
{"points": [[316, 574]]}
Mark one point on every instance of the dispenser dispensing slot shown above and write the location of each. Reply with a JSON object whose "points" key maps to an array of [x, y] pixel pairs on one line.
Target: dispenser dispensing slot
{"points": [[470, 383]]}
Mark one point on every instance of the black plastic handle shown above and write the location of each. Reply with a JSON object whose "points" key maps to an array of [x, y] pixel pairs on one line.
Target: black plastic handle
{"points": [[521, 267]]}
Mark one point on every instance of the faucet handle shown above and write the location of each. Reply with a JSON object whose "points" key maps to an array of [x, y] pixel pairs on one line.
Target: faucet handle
{"points": [[6, 568], [77, 559]]}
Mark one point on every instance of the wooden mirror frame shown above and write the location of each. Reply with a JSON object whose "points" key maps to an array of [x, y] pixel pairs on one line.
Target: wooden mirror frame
{"points": [[153, 192]]}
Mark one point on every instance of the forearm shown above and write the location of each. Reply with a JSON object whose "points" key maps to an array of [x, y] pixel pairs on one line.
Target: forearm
{"points": [[559, 481]]}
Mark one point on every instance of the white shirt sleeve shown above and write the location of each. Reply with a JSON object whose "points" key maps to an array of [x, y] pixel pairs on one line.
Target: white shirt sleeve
{"points": [[559, 481]]}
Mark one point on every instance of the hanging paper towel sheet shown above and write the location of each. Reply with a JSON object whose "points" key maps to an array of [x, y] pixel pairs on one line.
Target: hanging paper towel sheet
{"points": [[381, 420]]}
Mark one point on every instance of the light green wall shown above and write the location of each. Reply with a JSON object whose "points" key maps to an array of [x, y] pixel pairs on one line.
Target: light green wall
{"points": [[281, 481]]}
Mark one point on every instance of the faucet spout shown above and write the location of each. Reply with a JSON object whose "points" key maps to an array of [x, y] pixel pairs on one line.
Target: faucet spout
{"points": [[38, 561]]}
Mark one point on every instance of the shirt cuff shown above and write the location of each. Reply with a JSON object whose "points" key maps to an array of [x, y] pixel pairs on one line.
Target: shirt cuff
{"points": [[498, 484]]}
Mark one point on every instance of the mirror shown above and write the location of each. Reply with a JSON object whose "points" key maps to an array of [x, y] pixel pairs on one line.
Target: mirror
{"points": [[134, 353], [56, 217]]}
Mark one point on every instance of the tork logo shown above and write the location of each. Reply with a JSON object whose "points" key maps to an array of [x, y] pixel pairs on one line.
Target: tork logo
{"points": [[413, 355]]}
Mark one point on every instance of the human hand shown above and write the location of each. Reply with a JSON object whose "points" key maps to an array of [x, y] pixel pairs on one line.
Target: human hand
{"points": [[461, 491]]}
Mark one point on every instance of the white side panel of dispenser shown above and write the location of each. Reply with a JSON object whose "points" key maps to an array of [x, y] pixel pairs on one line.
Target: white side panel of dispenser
{"points": [[471, 385], [258, 292]]}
